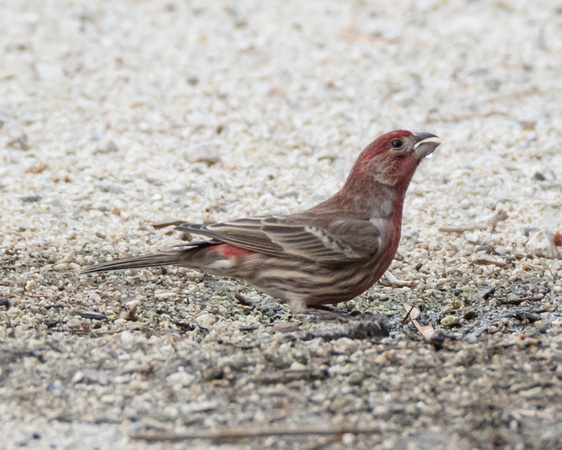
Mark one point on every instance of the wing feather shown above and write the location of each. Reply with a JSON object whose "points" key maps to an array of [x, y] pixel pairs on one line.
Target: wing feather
{"points": [[327, 242]]}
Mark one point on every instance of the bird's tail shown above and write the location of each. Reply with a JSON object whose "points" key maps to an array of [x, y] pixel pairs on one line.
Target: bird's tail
{"points": [[170, 258]]}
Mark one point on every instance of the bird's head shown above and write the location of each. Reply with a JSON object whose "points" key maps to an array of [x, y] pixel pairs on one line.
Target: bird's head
{"points": [[392, 158]]}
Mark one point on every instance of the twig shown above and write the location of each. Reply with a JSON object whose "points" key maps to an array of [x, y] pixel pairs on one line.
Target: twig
{"points": [[463, 228], [235, 434], [492, 222], [410, 311], [518, 301], [426, 331], [290, 375], [490, 262], [395, 281], [175, 223], [88, 315]]}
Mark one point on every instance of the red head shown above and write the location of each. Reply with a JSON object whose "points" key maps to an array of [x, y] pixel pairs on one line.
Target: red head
{"points": [[392, 159], [379, 178]]}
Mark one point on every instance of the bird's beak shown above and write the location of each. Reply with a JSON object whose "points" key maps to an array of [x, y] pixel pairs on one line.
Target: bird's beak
{"points": [[426, 143]]}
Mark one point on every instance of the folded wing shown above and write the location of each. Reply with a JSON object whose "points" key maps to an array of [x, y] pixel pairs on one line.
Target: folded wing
{"points": [[324, 241]]}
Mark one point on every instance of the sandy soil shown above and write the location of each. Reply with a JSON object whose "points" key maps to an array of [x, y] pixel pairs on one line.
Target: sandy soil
{"points": [[118, 115]]}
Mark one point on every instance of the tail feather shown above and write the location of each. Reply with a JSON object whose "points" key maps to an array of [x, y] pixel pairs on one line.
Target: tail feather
{"points": [[139, 262]]}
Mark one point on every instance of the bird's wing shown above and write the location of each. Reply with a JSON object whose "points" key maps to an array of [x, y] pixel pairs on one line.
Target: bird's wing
{"points": [[326, 243]]}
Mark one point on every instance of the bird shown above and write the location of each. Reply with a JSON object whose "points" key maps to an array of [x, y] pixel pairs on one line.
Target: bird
{"points": [[324, 255]]}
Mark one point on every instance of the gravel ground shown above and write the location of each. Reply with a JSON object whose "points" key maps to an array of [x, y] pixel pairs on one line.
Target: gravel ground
{"points": [[118, 115]]}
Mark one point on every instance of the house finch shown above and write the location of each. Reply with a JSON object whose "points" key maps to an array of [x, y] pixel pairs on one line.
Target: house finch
{"points": [[327, 254]]}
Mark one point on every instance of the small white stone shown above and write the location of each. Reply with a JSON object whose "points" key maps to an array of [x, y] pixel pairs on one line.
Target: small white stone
{"points": [[297, 366], [181, 379], [344, 346], [78, 377], [348, 439], [450, 321], [206, 320], [542, 244], [94, 297], [206, 152], [127, 339]]}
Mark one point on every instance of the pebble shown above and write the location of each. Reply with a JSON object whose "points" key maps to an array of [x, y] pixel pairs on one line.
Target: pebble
{"points": [[94, 297], [356, 377], [541, 243], [129, 339], [348, 439], [297, 366], [181, 379], [450, 321], [344, 346], [78, 377], [340, 369], [94, 377], [206, 152], [381, 359], [206, 320]]}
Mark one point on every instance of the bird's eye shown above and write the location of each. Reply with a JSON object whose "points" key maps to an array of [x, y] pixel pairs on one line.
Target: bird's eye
{"points": [[397, 143]]}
